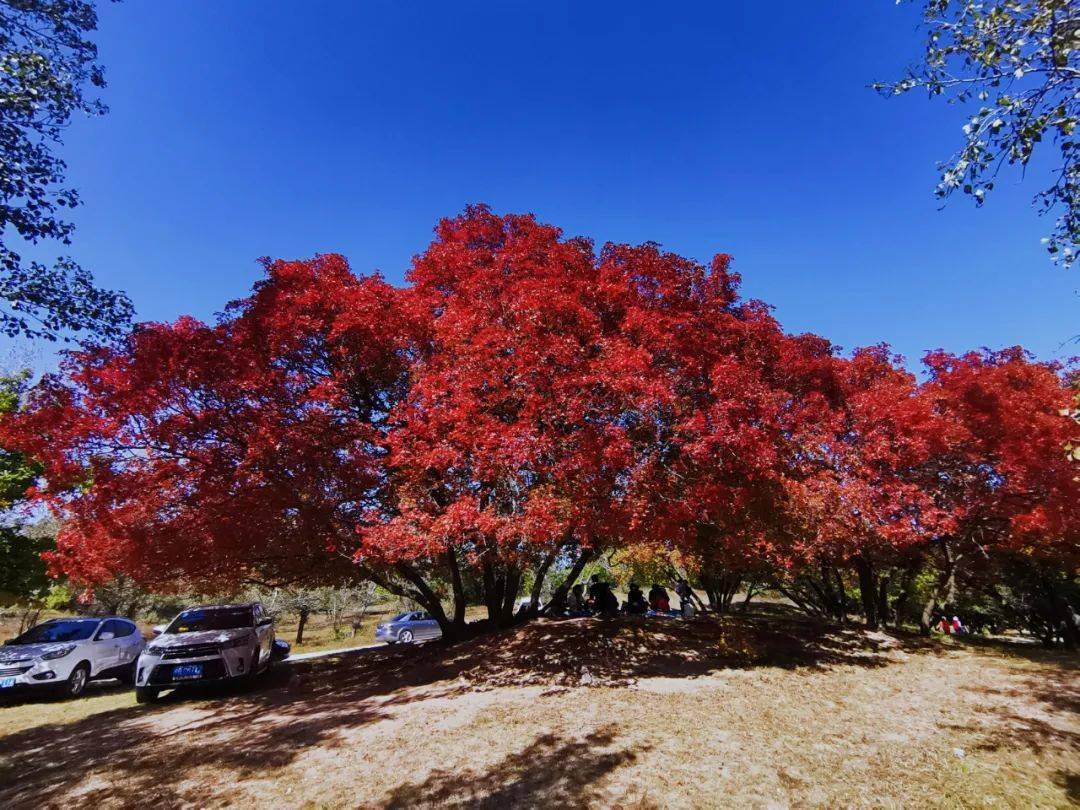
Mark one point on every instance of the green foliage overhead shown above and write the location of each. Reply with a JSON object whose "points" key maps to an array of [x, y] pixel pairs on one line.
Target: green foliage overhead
{"points": [[1014, 66], [17, 474], [47, 65], [22, 572]]}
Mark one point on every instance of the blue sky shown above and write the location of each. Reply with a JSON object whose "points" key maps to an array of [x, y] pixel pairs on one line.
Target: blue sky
{"points": [[245, 129]]}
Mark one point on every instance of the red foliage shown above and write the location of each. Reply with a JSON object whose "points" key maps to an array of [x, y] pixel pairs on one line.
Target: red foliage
{"points": [[525, 399]]}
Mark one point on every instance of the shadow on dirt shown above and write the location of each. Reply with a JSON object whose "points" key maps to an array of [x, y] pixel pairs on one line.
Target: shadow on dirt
{"points": [[153, 755], [565, 773]]}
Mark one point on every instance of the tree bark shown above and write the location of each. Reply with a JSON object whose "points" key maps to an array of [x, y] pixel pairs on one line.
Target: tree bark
{"points": [[458, 619], [868, 592], [558, 597], [538, 584], [301, 623], [944, 591], [1063, 617]]}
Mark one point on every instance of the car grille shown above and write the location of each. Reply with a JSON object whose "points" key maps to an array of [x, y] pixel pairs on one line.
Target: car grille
{"points": [[162, 673], [7, 672], [191, 651]]}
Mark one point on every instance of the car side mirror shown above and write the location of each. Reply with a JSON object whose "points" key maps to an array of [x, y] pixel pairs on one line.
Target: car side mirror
{"points": [[158, 629], [265, 620], [106, 636]]}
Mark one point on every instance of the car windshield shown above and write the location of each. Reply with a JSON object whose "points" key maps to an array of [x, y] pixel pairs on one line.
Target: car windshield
{"points": [[401, 617], [197, 620], [63, 630]]}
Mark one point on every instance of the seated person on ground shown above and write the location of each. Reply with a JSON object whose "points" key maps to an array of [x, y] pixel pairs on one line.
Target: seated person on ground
{"points": [[596, 590], [606, 603], [635, 601], [575, 601], [659, 600]]}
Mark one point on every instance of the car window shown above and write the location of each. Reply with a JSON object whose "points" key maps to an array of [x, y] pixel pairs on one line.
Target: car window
{"points": [[59, 630], [199, 619], [119, 628], [422, 617]]}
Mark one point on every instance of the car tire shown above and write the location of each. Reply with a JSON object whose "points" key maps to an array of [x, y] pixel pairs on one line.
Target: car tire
{"points": [[76, 682], [405, 637], [145, 694]]}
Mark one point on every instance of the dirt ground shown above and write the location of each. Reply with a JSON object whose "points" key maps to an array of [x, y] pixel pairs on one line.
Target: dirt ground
{"points": [[762, 711]]}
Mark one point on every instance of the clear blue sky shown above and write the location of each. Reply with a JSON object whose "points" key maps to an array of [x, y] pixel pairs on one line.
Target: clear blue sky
{"points": [[244, 129]]}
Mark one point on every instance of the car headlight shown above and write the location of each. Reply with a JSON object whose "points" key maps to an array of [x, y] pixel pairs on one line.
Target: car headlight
{"points": [[154, 651], [243, 641], [59, 652]]}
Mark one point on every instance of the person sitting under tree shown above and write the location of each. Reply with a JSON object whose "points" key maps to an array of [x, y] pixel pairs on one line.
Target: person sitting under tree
{"points": [[659, 601], [635, 604], [575, 601]]}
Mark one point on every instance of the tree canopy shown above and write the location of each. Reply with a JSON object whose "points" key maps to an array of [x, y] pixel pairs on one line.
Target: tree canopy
{"points": [[1013, 67], [524, 403], [48, 73]]}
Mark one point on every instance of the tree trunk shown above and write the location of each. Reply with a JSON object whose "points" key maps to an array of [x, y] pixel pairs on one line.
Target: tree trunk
{"points": [[883, 599], [458, 620], [538, 584], [907, 584], [943, 593], [558, 598], [751, 592], [1063, 619], [300, 625], [868, 592], [511, 587]]}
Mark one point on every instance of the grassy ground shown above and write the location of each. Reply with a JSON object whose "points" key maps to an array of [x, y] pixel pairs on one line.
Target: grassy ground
{"points": [[762, 711]]}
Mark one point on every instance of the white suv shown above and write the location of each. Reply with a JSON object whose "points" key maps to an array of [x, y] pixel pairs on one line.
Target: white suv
{"points": [[205, 644], [66, 653]]}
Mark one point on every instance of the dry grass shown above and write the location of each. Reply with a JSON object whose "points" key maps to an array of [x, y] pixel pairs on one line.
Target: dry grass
{"points": [[760, 712]]}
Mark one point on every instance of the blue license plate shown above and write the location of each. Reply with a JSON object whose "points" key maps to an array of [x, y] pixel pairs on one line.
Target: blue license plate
{"points": [[186, 672], [7, 683]]}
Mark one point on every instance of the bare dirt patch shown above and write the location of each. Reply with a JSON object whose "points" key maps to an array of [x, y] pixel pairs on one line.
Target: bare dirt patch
{"points": [[761, 711]]}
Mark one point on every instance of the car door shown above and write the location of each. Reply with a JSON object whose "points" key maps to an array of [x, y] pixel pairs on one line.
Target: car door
{"points": [[131, 641], [264, 629], [105, 648], [427, 627]]}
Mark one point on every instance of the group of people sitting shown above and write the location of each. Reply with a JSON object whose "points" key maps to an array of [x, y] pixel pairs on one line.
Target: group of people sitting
{"points": [[944, 625], [600, 600]]}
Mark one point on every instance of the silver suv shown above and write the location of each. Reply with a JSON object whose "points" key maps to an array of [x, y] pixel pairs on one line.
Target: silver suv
{"points": [[66, 653], [204, 645]]}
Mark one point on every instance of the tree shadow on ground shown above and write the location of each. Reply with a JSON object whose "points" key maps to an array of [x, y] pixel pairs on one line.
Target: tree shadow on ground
{"points": [[154, 755], [1028, 714], [550, 771]]}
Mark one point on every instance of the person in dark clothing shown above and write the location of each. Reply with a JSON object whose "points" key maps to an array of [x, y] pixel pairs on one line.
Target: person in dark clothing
{"points": [[575, 601], [595, 592], [609, 602], [682, 590], [635, 601], [659, 601]]}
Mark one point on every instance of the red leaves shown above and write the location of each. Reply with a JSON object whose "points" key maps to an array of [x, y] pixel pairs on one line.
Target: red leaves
{"points": [[524, 396]]}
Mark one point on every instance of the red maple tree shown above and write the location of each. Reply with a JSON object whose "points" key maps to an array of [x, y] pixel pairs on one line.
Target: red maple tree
{"points": [[523, 403]]}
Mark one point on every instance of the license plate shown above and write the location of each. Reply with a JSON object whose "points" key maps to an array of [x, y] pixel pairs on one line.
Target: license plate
{"points": [[6, 683], [187, 672]]}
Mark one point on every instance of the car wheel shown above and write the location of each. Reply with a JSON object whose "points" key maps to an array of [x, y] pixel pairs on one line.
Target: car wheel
{"points": [[77, 680], [145, 694], [405, 637]]}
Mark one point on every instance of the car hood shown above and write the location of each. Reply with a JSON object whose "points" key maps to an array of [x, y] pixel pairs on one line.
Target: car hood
{"points": [[201, 637], [13, 653]]}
